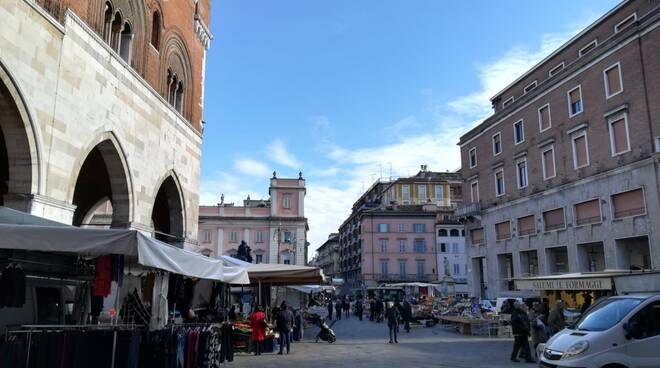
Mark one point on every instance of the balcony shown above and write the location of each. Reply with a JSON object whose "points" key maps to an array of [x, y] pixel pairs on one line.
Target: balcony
{"points": [[468, 210]]}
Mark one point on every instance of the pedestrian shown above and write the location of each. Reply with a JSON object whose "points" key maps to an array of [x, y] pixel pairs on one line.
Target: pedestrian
{"points": [[338, 306], [392, 315], [330, 308], [537, 327], [372, 309], [232, 313], [407, 315], [284, 323], [258, 324], [556, 319], [359, 309], [587, 303], [520, 329], [347, 308]]}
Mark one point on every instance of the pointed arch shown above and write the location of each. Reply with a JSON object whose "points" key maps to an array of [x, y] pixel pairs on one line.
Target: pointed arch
{"points": [[168, 214]]}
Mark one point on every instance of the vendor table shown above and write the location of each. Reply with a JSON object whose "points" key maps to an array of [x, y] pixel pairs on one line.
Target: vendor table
{"points": [[468, 326]]}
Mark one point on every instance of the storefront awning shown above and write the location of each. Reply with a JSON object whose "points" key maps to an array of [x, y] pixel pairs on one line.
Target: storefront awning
{"points": [[278, 274], [33, 234]]}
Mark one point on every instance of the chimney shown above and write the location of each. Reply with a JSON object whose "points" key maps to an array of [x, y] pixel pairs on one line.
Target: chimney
{"points": [[423, 167]]}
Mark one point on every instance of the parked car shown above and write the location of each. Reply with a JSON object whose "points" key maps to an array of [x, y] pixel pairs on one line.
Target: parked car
{"points": [[621, 331]]}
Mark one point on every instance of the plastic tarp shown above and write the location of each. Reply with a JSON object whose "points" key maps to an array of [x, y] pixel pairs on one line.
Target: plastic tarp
{"points": [[31, 233], [278, 274], [312, 288]]}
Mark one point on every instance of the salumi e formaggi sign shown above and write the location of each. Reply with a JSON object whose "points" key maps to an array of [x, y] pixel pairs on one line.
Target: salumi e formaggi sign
{"points": [[604, 283]]}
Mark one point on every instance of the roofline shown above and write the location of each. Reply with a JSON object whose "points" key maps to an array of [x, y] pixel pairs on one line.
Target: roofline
{"points": [[561, 48]]}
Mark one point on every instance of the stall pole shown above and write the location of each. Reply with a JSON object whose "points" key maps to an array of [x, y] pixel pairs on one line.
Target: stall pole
{"points": [[114, 348], [241, 300], [260, 293]]}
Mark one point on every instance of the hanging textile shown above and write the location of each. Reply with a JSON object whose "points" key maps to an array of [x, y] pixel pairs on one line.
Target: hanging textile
{"points": [[12, 286], [103, 279], [159, 308], [118, 269], [227, 343]]}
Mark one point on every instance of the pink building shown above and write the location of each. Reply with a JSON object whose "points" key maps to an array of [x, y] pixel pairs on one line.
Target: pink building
{"points": [[275, 228]]}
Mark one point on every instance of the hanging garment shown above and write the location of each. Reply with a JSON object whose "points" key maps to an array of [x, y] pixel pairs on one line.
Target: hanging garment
{"points": [[159, 308], [118, 269], [148, 287], [103, 279], [12, 287], [227, 343]]}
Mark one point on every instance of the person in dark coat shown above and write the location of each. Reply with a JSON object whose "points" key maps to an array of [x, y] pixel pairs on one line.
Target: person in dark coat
{"points": [[556, 319], [338, 306], [359, 309], [347, 308], [392, 315], [407, 315], [372, 309], [330, 308], [520, 329], [284, 324]]}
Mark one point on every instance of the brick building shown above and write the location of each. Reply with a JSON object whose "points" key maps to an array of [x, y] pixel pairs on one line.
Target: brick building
{"points": [[327, 256], [390, 235], [563, 177], [102, 101], [274, 228]]}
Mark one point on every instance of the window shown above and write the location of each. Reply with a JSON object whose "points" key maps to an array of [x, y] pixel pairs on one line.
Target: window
{"points": [[259, 237], [586, 49], [457, 269], [420, 269], [260, 258], [402, 245], [207, 236], [383, 228], [402, 269], [473, 157], [503, 230], [629, 20], [286, 258], [499, 182], [526, 225], [508, 102], [619, 138], [474, 191], [646, 322], [419, 246], [587, 212], [545, 121], [454, 248], [233, 236], [288, 238], [613, 80], [574, 101], [115, 31], [383, 245], [125, 45], [286, 200], [405, 193], [521, 171], [554, 219], [497, 144], [383, 268], [155, 30], [442, 232], [443, 247], [477, 236], [175, 91], [419, 228], [556, 69], [548, 160], [439, 195], [107, 22], [421, 193], [402, 228], [453, 233], [629, 203], [580, 150], [519, 132], [178, 101], [529, 87]]}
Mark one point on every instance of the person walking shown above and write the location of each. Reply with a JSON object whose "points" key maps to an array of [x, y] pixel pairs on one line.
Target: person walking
{"points": [[520, 329], [556, 319], [347, 308], [407, 315], [372, 309], [258, 324], [392, 315], [338, 306], [330, 308], [537, 327], [359, 309], [284, 323]]}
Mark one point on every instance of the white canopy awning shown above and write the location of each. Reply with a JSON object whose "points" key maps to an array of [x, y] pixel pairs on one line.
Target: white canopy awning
{"points": [[35, 234], [278, 274]]}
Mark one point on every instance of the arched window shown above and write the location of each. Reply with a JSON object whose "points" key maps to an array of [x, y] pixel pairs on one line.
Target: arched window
{"points": [[107, 21], [116, 28], [442, 232], [126, 43], [453, 232], [178, 99], [155, 30]]}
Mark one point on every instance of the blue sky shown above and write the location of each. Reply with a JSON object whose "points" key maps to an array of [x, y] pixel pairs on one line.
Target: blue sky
{"points": [[344, 90]]}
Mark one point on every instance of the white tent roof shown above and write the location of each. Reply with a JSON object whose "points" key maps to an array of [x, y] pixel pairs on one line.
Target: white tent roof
{"points": [[274, 273], [26, 232]]}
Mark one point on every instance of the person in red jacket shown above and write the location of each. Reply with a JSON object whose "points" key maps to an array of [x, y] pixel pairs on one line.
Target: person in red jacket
{"points": [[258, 324]]}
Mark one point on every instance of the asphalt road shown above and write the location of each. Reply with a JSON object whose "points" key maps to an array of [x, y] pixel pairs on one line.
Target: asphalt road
{"points": [[365, 344]]}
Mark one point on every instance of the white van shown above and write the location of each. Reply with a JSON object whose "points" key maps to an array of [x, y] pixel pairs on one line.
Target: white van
{"points": [[617, 332]]}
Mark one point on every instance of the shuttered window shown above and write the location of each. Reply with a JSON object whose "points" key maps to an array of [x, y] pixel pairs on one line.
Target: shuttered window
{"points": [[587, 212], [526, 225], [554, 219], [477, 236], [548, 157], [629, 203], [474, 191], [619, 135], [580, 153], [613, 80], [544, 118], [575, 101], [503, 230]]}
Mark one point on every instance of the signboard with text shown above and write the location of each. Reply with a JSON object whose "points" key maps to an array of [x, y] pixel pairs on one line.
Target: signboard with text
{"points": [[600, 283]]}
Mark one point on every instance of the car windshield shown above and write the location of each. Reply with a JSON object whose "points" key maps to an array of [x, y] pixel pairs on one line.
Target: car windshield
{"points": [[606, 314]]}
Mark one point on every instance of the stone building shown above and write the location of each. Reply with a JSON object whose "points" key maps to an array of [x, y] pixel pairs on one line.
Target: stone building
{"points": [[563, 177], [327, 256], [274, 228], [102, 101]]}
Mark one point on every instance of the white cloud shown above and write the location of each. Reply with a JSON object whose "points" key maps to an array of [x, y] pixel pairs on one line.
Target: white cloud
{"points": [[252, 167], [234, 187], [278, 153]]}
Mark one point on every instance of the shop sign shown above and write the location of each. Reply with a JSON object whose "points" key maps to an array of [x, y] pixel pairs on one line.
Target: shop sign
{"points": [[603, 283]]}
